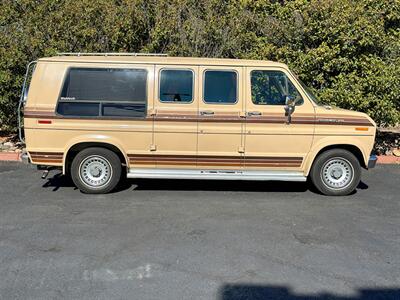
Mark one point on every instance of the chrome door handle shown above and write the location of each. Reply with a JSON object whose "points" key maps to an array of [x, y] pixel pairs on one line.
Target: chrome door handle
{"points": [[254, 113], [206, 112]]}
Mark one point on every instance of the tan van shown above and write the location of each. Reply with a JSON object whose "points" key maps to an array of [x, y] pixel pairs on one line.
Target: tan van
{"points": [[103, 116]]}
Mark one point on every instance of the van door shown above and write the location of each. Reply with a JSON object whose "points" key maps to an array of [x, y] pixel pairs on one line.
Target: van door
{"points": [[220, 138], [270, 142], [175, 117]]}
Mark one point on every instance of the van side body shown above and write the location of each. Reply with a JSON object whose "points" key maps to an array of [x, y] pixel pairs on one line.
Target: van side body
{"points": [[191, 134]]}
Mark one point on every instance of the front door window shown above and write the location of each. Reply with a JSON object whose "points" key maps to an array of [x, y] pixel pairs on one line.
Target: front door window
{"points": [[272, 88]]}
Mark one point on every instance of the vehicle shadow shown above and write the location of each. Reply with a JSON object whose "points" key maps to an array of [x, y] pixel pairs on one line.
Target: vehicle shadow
{"points": [[219, 185], [264, 292], [58, 181]]}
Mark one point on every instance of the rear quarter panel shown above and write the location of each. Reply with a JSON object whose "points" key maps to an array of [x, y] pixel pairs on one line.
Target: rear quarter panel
{"points": [[60, 134]]}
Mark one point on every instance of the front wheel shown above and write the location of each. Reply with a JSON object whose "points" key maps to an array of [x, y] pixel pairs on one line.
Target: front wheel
{"points": [[96, 170], [336, 172]]}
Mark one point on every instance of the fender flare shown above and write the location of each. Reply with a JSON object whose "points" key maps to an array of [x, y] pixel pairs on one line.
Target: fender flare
{"points": [[92, 138], [332, 142]]}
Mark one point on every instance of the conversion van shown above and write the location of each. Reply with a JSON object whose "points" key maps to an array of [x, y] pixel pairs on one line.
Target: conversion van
{"points": [[101, 117]]}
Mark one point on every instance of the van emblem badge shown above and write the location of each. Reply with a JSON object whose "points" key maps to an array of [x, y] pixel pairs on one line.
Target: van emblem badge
{"points": [[331, 120]]}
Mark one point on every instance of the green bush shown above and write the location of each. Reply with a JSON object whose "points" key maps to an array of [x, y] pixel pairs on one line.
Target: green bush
{"points": [[348, 51]]}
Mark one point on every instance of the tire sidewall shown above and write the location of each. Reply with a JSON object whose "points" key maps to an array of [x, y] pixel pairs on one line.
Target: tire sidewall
{"points": [[319, 163], [115, 165]]}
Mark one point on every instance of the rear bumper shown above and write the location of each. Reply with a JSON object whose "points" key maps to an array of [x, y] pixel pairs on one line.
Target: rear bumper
{"points": [[372, 161]]}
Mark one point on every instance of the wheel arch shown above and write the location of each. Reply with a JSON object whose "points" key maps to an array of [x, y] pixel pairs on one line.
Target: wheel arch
{"points": [[354, 149], [75, 147]]}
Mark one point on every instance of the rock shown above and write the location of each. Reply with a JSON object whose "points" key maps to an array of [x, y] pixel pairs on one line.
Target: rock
{"points": [[386, 141], [396, 152], [8, 144], [4, 147]]}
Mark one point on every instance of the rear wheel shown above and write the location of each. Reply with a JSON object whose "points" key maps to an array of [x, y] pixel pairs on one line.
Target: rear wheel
{"points": [[336, 172], [96, 170]]}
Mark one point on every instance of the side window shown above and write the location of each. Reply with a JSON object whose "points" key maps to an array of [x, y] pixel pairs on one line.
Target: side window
{"points": [[176, 86], [272, 88], [104, 92], [220, 87]]}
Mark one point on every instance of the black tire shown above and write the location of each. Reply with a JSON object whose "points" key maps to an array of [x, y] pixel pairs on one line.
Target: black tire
{"points": [[336, 182], [90, 162]]}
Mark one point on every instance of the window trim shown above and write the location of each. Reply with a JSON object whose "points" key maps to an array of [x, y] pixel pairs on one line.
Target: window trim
{"points": [[237, 86], [100, 102], [274, 105], [176, 69]]}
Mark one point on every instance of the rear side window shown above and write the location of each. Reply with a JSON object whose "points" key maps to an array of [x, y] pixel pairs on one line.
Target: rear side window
{"points": [[272, 88], [176, 86], [78, 109], [110, 92], [220, 87]]}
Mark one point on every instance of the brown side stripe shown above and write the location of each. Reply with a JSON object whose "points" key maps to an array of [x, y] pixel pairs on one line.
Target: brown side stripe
{"points": [[39, 114], [211, 156], [46, 157], [231, 118], [194, 163], [227, 161], [46, 153], [161, 160], [45, 161]]}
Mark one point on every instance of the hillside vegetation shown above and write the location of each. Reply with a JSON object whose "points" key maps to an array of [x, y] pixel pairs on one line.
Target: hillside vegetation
{"points": [[347, 51]]}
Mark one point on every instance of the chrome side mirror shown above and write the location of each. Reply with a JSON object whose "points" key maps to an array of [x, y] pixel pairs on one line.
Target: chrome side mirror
{"points": [[289, 108]]}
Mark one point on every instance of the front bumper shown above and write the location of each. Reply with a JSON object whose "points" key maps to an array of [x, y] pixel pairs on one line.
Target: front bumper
{"points": [[372, 161]]}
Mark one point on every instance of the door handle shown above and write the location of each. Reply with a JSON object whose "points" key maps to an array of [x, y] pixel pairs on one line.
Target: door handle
{"points": [[254, 113], [206, 112]]}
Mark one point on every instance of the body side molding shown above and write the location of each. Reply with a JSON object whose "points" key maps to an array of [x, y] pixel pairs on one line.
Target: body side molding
{"points": [[216, 174]]}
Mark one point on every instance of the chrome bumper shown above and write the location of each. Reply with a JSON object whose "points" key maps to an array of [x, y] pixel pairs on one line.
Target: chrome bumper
{"points": [[372, 161]]}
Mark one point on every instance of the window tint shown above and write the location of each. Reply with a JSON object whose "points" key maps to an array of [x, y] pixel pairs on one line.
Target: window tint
{"points": [[272, 88], [176, 86], [220, 87], [105, 92], [78, 109], [123, 109], [105, 85]]}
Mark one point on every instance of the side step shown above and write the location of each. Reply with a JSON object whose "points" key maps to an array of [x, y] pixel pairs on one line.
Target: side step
{"points": [[217, 174]]}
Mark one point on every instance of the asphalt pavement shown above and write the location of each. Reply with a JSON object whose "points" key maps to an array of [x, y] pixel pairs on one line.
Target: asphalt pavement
{"points": [[223, 240]]}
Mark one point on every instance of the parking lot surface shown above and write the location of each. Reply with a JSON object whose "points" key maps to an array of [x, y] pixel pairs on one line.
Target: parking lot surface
{"points": [[163, 239]]}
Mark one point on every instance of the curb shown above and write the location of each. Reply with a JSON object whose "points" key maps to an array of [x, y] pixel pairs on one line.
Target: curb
{"points": [[388, 159], [10, 156], [382, 159]]}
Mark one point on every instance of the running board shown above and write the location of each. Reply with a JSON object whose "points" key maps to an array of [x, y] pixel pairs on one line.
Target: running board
{"points": [[216, 174]]}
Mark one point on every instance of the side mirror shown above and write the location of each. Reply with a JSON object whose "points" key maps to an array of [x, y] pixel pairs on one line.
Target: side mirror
{"points": [[289, 108]]}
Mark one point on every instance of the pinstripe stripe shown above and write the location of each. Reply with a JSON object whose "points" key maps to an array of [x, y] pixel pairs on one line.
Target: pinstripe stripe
{"points": [[220, 118]]}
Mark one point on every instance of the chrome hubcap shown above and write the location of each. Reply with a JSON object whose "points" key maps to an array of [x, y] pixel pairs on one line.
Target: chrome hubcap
{"points": [[95, 171], [337, 173]]}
